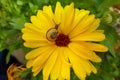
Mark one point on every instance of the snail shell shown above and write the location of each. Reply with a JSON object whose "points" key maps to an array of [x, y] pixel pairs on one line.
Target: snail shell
{"points": [[52, 34]]}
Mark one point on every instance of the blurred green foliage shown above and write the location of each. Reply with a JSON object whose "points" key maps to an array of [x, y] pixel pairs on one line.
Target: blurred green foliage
{"points": [[14, 13]]}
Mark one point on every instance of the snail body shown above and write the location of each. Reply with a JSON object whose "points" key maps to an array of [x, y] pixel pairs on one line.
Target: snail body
{"points": [[52, 34]]}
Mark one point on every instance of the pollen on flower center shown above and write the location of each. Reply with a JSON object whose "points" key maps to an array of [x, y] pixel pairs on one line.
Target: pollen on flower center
{"points": [[62, 40]]}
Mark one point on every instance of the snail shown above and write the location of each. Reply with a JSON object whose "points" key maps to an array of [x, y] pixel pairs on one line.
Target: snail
{"points": [[52, 34]]}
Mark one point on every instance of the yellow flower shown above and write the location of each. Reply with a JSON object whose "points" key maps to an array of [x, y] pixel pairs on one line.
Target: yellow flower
{"points": [[13, 72], [63, 39]]}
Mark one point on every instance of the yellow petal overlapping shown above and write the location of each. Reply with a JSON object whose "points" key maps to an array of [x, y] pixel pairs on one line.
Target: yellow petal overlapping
{"points": [[72, 33]]}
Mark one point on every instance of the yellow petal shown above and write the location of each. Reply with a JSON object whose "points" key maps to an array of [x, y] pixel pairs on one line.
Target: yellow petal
{"points": [[64, 57], [83, 52], [58, 13], [48, 11], [28, 37], [32, 28], [93, 68], [55, 72], [94, 36], [36, 44], [42, 58], [65, 66], [93, 26], [49, 64], [65, 71], [29, 63], [77, 11], [82, 26], [46, 22], [67, 18], [76, 65], [100, 31], [34, 36], [88, 67], [36, 70], [35, 21], [94, 46], [79, 16], [32, 31], [43, 21], [35, 53], [60, 78]]}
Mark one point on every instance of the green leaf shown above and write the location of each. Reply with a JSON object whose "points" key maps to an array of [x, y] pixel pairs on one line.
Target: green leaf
{"points": [[33, 7], [25, 73], [98, 2], [2, 34], [11, 49], [19, 2], [39, 76], [111, 37], [73, 75], [2, 45], [108, 3], [34, 78], [18, 23]]}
